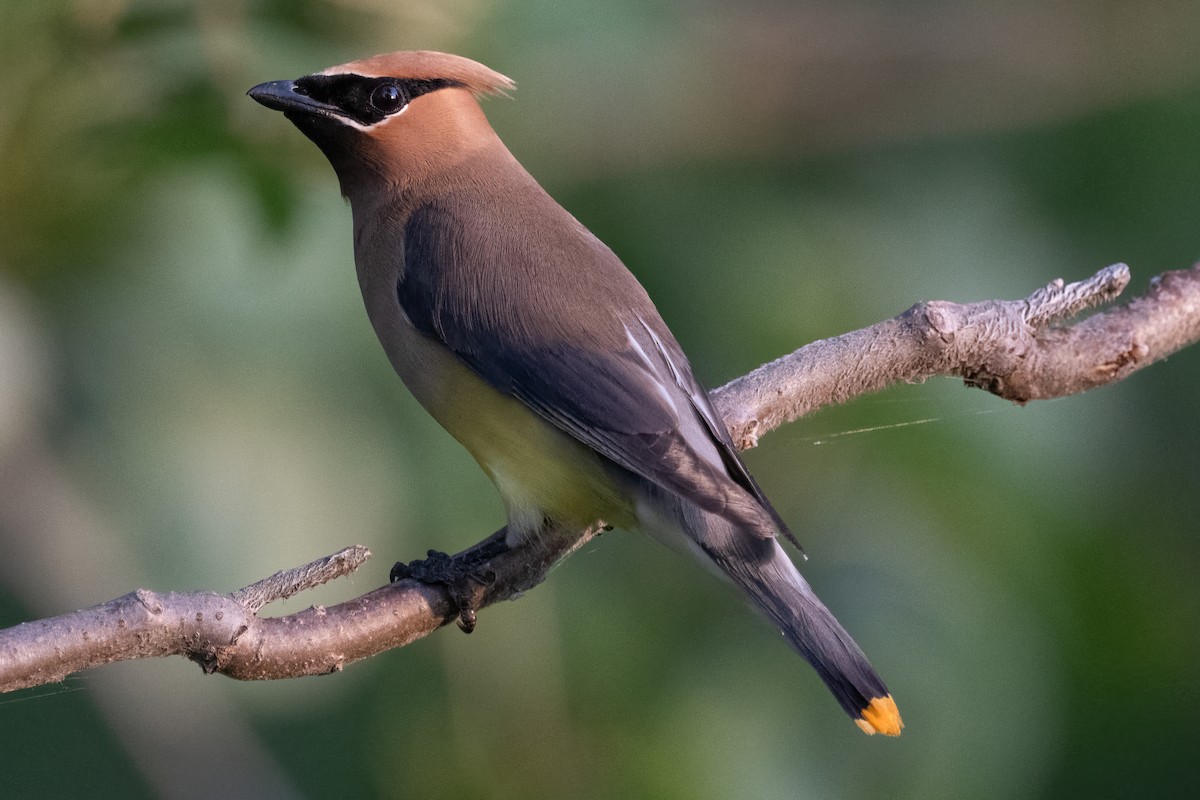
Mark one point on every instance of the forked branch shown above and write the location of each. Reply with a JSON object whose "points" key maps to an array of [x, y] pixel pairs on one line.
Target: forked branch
{"points": [[1020, 350]]}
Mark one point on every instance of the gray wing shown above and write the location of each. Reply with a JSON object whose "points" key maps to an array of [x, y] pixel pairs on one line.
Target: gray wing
{"points": [[566, 329]]}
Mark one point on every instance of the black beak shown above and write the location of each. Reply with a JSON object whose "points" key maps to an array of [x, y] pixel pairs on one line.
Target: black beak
{"points": [[287, 97]]}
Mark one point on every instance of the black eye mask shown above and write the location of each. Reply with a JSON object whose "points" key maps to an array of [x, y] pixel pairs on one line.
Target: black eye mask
{"points": [[368, 100]]}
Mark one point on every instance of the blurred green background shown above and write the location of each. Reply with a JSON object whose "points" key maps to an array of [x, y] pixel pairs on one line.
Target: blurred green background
{"points": [[191, 397]]}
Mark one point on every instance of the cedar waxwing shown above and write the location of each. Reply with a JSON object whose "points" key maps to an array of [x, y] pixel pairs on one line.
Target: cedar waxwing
{"points": [[529, 341]]}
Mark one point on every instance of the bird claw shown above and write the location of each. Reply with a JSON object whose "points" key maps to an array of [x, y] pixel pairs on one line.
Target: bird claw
{"points": [[460, 575]]}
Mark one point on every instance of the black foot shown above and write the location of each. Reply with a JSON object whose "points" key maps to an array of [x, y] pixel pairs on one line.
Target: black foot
{"points": [[460, 574]]}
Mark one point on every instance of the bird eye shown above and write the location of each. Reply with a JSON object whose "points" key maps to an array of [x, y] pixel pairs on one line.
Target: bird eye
{"points": [[388, 98]]}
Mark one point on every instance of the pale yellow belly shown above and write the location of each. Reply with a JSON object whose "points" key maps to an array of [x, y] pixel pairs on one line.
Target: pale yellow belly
{"points": [[539, 470]]}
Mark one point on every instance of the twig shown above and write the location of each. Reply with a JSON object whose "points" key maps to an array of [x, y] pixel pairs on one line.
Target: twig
{"points": [[288, 582]]}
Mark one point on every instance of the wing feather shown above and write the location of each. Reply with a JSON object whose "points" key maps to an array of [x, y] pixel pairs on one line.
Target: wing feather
{"points": [[592, 356]]}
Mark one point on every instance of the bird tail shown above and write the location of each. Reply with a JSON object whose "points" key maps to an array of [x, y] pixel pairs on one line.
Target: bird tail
{"points": [[761, 569]]}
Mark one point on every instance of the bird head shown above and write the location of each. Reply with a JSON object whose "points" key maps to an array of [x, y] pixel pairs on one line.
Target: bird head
{"points": [[394, 117]]}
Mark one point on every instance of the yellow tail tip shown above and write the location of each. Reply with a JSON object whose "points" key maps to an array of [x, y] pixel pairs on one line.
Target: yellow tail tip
{"points": [[881, 716]]}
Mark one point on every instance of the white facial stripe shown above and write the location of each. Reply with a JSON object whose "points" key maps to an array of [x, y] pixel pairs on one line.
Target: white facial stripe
{"points": [[353, 123], [342, 69]]}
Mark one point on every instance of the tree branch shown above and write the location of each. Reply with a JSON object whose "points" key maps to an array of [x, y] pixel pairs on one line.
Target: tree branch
{"points": [[1016, 349]]}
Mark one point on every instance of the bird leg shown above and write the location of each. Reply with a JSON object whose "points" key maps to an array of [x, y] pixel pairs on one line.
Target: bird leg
{"points": [[461, 574]]}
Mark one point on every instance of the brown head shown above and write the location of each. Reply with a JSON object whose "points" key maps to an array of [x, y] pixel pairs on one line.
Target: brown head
{"points": [[393, 118]]}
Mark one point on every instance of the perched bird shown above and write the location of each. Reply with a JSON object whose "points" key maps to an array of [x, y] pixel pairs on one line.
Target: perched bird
{"points": [[534, 346]]}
